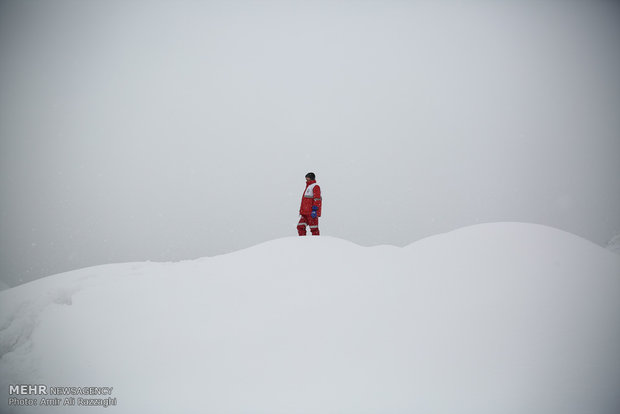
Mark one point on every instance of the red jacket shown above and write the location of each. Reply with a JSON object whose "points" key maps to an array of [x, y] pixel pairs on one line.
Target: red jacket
{"points": [[311, 197]]}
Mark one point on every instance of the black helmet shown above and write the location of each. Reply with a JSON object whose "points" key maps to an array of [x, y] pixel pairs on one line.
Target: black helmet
{"points": [[310, 175]]}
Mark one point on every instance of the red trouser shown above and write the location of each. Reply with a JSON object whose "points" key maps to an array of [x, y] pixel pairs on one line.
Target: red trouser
{"points": [[312, 222]]}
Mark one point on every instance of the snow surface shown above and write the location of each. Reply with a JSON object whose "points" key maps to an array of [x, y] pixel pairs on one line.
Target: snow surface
{"points": [[495, 318]]}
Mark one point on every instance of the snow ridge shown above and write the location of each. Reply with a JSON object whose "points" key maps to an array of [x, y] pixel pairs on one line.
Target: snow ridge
{"points": [[502, 317], [614, 244]]}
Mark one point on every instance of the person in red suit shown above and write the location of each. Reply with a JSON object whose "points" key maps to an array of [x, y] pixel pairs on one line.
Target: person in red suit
{"points": [[310, 209]]}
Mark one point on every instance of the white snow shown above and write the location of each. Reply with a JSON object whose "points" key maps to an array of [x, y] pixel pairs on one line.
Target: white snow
{"points": [[494, 318]]}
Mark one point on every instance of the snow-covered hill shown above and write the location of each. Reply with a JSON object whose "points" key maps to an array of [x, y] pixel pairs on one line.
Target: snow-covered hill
{"points": [[496, 318]]}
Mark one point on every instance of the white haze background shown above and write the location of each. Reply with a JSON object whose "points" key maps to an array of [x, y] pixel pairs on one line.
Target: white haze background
{"points": [[157, 130]]}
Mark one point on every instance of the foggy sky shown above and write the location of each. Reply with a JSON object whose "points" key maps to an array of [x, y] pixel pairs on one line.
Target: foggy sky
{"points": [[170, 130]]}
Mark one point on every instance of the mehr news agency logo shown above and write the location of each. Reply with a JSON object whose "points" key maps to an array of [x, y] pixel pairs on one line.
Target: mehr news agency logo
{"points": [[44, 396]]}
